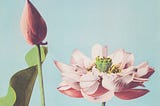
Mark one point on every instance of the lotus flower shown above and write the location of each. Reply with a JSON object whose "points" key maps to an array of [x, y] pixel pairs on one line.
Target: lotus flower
{"points": [[33, 26], [104, 76]]}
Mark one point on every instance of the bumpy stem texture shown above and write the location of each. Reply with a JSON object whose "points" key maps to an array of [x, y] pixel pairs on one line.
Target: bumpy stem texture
{"points": [[40, 76]]}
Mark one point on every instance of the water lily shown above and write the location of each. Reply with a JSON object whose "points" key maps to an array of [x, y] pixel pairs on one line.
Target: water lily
{"points": [[104, 76], [33, 25]]}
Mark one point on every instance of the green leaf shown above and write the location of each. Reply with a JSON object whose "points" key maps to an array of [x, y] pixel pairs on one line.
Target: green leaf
{"points": [[9, 99], [22, 83], [32, 58]]}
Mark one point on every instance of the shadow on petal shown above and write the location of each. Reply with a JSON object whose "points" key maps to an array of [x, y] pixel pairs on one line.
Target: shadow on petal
{"points": [[102, 98], [131, 93]]}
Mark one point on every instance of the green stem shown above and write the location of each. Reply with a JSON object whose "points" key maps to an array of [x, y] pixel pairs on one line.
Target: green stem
{"points": [[40, 76], [103, 103]]}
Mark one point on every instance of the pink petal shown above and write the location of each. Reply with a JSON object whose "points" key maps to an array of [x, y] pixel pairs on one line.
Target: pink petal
{"points": [[71, 92], [64, 85], [89, 83], [75, 85], [150, 72], [63, 67], [142, 65], [96, 72], [129, 70], [117, 57], [71, 77], [127, 78], [121, 82], [133, 85], [100, 91], [136, 79], [89, 77], [98, 50], [129, 60], [68, 72], [92, 89], [80, 59], [122, 58], [88, 80], [108, 82], [117, 83], [131, 93], [68, 90], [102, 98], [79, 70], [142, 69], [33, 26]]}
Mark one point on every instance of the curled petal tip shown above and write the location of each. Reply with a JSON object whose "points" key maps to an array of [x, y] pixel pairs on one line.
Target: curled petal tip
{"points": [[71, 92]]}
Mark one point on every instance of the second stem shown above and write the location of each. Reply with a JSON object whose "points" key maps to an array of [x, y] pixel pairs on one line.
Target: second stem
{"points": [[103, 103], [40, 76]]}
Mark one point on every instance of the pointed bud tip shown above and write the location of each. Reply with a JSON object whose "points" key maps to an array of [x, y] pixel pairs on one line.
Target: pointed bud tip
{"points": [[33, 25]]}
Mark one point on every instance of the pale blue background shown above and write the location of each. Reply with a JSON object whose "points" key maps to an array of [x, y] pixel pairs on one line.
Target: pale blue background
{"points": [[130, 24]]}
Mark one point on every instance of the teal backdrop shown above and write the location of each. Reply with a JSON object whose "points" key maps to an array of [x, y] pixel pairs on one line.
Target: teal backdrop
{"points": [[78, 24]]}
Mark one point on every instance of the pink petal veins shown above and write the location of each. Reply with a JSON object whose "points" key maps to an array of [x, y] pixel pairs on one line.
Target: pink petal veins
{"points": [[80, 59], [116, 83], [129, 70], [92, 89], [71, 76], [68, 72], [121, 83], [88, 80], [98, 50], [122, 58], [63, 67], [108, 82]]}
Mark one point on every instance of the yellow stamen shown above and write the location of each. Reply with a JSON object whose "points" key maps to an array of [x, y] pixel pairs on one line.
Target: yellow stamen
{"points": [[114, 69]]}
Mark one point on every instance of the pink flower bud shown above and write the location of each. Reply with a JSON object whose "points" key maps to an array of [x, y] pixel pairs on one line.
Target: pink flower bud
{"points": [[33, 26]]}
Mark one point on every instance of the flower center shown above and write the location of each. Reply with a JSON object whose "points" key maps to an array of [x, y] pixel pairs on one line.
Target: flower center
{"points": [[105, 65]]}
